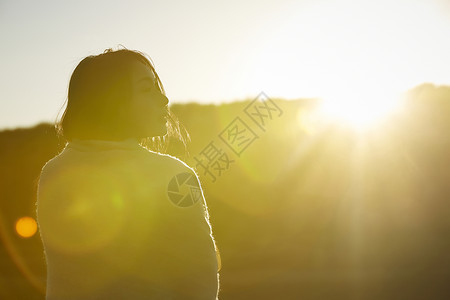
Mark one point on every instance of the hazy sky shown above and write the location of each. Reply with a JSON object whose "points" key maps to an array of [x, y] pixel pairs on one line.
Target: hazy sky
{"points": [[211, 51]]}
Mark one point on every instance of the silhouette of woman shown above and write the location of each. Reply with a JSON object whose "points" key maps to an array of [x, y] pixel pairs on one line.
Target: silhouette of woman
{"points": [[119, 221]]}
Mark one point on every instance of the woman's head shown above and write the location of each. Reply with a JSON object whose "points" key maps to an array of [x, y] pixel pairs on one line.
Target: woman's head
{"points": [[115, 95]]}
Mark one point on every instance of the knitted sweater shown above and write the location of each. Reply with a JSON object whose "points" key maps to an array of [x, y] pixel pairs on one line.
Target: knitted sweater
{"points": [[120, 222]]}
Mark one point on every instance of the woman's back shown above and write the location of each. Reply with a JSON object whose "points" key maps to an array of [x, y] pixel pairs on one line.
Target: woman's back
{"points": [[111, 231]]}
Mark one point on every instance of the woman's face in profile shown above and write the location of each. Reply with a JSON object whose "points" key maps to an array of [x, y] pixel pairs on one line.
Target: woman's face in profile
{"points": [[149, 105]]}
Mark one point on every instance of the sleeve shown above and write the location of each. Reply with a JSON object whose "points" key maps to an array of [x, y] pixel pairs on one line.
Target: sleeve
{"points": [[196, 250]]}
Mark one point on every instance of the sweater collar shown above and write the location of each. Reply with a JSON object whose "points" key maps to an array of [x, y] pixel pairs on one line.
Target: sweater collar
{"points": [[104, 145]]}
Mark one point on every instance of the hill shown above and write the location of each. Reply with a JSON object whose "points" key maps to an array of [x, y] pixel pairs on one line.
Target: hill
{"points": [[298, 213]]}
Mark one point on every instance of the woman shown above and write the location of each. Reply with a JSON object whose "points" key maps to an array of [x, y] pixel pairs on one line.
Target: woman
{"points": [[118, 221]]}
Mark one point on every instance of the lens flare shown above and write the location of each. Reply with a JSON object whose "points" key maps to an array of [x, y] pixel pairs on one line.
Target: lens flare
{"points": [[26, 227]]}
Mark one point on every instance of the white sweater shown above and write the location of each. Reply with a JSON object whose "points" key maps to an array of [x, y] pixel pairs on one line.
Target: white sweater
{"points": [[114, 226]]}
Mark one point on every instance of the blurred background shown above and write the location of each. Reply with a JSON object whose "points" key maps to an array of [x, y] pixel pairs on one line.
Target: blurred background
{"points": [[341, 192]]}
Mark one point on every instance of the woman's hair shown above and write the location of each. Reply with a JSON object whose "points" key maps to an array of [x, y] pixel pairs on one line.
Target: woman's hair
{"points": [[99, 100]]}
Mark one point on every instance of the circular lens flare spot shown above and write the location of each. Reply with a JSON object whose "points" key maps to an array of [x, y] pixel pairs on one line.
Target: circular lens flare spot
{"points": [[26, 227]]}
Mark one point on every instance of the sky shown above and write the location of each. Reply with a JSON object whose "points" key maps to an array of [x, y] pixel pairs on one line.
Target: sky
{"points": [[214, 52]]}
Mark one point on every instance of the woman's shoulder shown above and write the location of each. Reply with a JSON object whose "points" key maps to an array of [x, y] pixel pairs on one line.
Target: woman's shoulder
{"points": [[51, 166], [173, 163], [137, 161]]}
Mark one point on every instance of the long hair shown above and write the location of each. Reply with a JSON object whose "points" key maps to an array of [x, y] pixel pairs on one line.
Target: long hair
{"points": [[99, 97]]}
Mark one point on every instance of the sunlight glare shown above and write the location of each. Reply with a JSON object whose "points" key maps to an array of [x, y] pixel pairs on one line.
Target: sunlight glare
{"points": [[360, 110]]}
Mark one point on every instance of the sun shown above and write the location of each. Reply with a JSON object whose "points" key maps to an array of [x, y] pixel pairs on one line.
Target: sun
{"points": [[360, 110]]}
